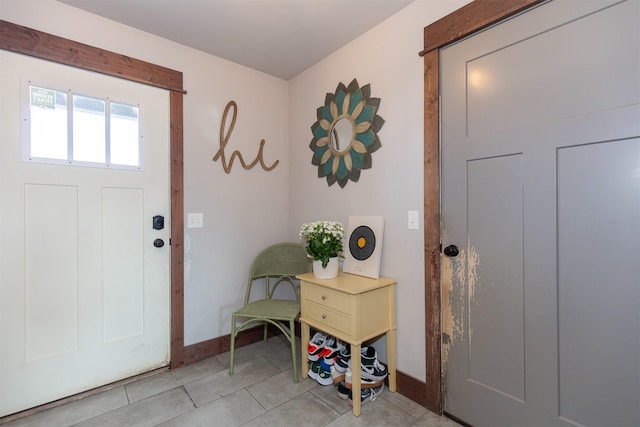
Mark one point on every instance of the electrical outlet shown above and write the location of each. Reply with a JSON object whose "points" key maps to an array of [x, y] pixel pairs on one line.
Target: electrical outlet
{"points": [[413, 221], [195, 220]]}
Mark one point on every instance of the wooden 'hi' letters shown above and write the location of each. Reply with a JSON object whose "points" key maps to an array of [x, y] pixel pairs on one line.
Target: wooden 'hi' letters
{"points": [[225, 138]]}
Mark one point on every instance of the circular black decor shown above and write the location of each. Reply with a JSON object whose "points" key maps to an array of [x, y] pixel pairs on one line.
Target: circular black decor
{"points": [[362, 242]]}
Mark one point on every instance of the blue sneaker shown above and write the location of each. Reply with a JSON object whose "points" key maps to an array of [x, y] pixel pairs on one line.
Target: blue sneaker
{"points": [[324, 376], [369, 394]]}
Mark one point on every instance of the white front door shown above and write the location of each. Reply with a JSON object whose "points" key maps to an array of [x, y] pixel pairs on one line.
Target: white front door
{"points": [[84, 293], [541, 193]]}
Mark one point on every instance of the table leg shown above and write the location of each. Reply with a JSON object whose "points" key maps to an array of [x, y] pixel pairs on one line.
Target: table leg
{"points": [[304, 341], [355, 378], [391, 356]]}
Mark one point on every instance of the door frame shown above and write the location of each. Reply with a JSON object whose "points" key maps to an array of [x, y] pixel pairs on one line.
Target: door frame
{"points": [[38, 44], [473, 17]]}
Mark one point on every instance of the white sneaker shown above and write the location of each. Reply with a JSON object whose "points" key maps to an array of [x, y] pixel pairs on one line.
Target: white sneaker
{"points": [[364, 382], [316, 346]]}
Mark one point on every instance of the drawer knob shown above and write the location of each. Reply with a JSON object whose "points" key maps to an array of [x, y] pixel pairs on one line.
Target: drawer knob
{"points": [[324, 316], [324, 297]]}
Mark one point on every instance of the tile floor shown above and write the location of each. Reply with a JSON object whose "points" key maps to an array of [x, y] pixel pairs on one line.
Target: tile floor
{"points": [[260, 393]]}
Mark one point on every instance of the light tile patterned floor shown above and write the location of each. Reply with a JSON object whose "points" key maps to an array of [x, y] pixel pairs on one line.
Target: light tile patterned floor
{"points": [[260, 393]]}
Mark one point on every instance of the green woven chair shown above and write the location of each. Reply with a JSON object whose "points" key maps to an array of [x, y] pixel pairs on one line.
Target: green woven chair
{"points": [[277, 264]]}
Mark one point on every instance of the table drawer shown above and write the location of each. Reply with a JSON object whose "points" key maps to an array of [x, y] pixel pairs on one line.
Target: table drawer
{"points": [[327, 317], [327, 297]]}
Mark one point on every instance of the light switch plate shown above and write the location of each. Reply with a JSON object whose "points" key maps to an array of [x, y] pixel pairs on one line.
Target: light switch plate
{"points": [[413, 220], [195, 220]]}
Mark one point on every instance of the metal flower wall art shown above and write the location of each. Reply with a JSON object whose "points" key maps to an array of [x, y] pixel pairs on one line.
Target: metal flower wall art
{"points": [[346, 133]]}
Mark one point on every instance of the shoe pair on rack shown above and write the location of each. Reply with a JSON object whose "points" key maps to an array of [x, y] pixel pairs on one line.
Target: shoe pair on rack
{"points": [[322, 352], [366, 394], [372, 374]]}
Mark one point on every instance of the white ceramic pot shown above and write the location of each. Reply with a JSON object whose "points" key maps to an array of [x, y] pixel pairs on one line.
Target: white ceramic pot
{"points": [[328, 272]]}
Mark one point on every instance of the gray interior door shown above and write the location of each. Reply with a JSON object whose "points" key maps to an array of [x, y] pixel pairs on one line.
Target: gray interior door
{"points": [[541, 194]]}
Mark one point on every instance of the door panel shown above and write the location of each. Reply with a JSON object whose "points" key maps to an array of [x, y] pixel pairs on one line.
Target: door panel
{"points": [[84, 294], [541, 191], [496, 312], [123, 263], [51, 251], [598, 288]]}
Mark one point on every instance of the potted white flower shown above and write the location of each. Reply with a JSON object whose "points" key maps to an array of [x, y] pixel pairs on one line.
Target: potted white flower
{"points": [[323, 243]]}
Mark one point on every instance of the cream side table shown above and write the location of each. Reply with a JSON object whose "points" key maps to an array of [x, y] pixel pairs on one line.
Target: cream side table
{"points": [[353, 309]]}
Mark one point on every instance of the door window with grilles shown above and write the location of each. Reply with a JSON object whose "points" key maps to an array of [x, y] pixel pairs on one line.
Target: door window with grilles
{"points": [[69, 128]]}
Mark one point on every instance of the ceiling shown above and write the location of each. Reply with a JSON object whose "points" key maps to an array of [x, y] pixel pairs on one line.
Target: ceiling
{"points": [[279, 37]]}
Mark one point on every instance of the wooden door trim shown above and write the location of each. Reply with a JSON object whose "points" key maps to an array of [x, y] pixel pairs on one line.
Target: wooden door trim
{"points": [[461, 23], [38, 44]]}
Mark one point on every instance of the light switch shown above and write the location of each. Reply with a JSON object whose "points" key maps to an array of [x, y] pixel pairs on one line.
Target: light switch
{"points": [[413, 221], [195, 220]]}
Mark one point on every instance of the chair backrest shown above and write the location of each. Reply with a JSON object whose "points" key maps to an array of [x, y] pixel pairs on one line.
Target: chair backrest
{"points": [[281, 259], [280, 262]]}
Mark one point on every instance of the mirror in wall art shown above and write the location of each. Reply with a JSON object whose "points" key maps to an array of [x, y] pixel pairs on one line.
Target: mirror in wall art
{"points": [[346, 133]]}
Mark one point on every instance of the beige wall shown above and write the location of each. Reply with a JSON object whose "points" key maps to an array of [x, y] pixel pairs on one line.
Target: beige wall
{"points": [[247, 210], [387, 58], [243, 211]]}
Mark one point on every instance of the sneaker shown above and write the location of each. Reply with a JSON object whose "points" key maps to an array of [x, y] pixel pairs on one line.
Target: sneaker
{"points": [[366, 395], [342, 358], [369, 394], [364, 382], [371, 368], [343, 392], [336, 375], [316, 346], [331, 350], [367, 354], [314, 370], [323, 365], [324, 375], [370, 365]]}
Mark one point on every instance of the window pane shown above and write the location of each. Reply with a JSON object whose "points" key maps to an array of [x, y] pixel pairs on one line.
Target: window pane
{"points": [[125, 135], [88, 129], [48, 123]]}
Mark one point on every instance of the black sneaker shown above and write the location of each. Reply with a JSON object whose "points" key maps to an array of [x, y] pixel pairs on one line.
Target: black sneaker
{"points": [[369, 394], [343, 392], [371, 368], [343, 357], [343, 361], [366, 394]]}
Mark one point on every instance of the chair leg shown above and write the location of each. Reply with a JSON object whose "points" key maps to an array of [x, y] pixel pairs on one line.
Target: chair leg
{"points": [[292, 341], [233, 343], [266, 330]]}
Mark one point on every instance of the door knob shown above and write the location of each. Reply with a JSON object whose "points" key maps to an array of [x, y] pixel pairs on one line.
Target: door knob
{"points": [[158, 243], [451, 251]]}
